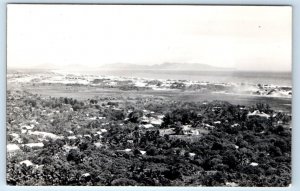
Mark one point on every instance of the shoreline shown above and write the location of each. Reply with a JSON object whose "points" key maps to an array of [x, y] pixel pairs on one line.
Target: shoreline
{"points": [[123, 83]]}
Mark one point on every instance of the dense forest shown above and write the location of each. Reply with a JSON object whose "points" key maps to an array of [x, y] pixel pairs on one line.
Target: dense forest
{"points": [[146, 141]]}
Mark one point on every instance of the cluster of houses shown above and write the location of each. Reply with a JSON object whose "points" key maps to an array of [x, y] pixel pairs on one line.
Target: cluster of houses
{"points": [[149, 120], [153, 120], [159, 85]]}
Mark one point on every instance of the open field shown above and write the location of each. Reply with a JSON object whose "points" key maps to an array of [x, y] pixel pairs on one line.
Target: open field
{"points": [[86, 92]]}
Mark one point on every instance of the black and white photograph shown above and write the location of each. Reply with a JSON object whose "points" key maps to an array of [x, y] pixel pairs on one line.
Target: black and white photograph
{"points": [[149, 95]]}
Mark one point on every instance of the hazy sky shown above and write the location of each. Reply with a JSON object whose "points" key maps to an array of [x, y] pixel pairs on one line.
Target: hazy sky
{"points": [[243, 37]]}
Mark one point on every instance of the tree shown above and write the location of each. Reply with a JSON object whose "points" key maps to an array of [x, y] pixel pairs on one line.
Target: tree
{"points": [[178, 128], [77, 107], [117, 115], [123, 182], [135, 116], [230, 159], [75, 156], [151, 151]]}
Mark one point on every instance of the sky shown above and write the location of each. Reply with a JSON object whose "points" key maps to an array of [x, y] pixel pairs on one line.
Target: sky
{"points": [[88, 36]]}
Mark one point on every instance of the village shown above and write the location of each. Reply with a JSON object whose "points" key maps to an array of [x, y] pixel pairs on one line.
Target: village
{"points": [[143, 84], [144, 141]]}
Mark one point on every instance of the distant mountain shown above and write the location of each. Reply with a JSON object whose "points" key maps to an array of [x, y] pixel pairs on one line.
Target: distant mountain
{"points": [[188, 66], [126, 66], [164, 66]]}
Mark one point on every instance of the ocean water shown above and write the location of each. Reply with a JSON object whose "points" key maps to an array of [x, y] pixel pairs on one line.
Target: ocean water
{"points": [[274, 78]]}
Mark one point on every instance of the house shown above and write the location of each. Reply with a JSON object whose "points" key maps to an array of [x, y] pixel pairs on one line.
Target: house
{"points": [[257, 113], [103, 130], [86, 174], [27, 127], [16, 138], [235, 125], [45, 135], [195, 132], [67, 148], [154, 121], [192, 155], [187, 130], [160, 116], [147, 126], [26, 162], [12, 148], [145, 120], [98, 144], [130, 141], [40, 145], [207, 126], [253, 164], [231, 184], [72, 137]]}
